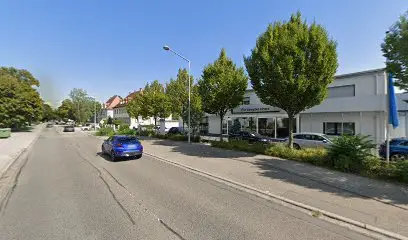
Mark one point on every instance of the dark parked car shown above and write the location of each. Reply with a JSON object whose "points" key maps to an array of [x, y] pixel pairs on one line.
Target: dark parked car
{"points": [[398, 149], [122, 146], [250, 137], [69, 129], [175, 130]]}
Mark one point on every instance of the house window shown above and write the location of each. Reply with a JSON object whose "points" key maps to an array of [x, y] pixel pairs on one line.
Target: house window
{"points": [[342, 91], [339, 128], [246, 101]]}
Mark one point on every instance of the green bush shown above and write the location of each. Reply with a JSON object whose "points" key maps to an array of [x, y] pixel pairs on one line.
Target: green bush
{"points": [[347, 153], [146, 133], [106, 131], [126, 131], [180, 137], [316, 156], [402, 171], [123, 126], [241, 146]]}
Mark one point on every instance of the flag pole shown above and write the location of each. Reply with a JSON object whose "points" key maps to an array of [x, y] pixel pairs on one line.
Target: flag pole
{"points": [[387, 126]]}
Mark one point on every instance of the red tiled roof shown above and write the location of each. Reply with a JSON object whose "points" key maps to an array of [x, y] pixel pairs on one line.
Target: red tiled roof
{"points": [[125, 100]]}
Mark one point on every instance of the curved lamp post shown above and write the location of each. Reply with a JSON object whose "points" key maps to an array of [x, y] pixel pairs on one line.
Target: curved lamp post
{"points": [[167, 48]]}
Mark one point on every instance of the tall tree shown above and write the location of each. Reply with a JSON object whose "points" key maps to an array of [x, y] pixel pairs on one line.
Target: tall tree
{"points": [[155, 102], [48, 112], [222, 87], [82, 104], [292, 65], [135, 107], [395, 50], [20, 102], [66, 110], [177, 90], [196, 111]]}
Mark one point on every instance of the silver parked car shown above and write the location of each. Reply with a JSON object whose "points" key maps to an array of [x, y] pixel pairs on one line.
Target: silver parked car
{"points": [[310, 140]]}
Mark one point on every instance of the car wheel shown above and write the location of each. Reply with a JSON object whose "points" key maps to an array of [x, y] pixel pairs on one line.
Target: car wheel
{"points": [[397, 157], [296, 146], [103, 150], [113, 157], [138, 156]]}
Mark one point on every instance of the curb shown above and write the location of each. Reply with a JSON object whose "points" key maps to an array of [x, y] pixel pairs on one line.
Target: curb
{"points": [[357, 226]]}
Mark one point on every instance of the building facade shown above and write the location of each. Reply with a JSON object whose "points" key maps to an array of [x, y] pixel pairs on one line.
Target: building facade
{"points": [[356, 104], [107, 110]]}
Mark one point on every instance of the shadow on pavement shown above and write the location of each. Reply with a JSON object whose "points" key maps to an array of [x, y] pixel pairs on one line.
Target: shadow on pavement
{"points": [[22, 129], [107, 157], [325, 180], [201, 150]]}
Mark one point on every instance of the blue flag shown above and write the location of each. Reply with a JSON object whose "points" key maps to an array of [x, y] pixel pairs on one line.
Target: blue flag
{"points": [[392, 104]]}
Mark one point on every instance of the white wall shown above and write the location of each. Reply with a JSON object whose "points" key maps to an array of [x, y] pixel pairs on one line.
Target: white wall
{"points": [[370, 94], [214, 124]]}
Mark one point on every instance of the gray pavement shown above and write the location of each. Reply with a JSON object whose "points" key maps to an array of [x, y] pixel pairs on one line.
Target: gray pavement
{"points": [[378, 203], [69, 191], [12, 147]]}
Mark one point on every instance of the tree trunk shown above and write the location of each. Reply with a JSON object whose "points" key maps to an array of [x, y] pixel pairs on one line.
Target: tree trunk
{"points": [[291, 117], [155, 120], [221, 118]]}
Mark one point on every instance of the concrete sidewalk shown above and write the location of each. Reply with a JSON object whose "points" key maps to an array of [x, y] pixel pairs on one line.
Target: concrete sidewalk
{"points": [[378, 203], [12, 147]]}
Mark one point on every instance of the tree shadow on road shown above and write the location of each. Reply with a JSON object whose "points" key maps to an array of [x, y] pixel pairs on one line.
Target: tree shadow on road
{"points": [[22, 129], [200, 150], [108, 159], [326, 180]]}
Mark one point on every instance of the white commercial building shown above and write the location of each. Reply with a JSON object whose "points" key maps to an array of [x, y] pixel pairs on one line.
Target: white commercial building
{"points": [[356, 104]]}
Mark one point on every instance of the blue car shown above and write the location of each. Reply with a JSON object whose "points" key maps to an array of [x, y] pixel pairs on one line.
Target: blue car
{"points": [[398, 149], [122, 146]]}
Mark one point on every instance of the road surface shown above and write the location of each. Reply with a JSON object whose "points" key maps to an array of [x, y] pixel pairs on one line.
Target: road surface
{"points": [[67, 190]]}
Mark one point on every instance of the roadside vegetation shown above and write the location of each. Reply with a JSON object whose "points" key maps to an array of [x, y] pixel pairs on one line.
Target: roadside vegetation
{"points": [[353, 154]]}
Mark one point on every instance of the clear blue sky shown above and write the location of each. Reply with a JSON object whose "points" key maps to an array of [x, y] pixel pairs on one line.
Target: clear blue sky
{"points": [[113, 47]]}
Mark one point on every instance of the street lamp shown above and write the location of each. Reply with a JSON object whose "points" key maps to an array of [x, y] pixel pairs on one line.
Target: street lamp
{"points": [[167, 48]]}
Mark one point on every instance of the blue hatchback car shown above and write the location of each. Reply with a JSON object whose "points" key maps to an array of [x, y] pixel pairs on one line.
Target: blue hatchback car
{"points": [[122, 146], [398, 149]]}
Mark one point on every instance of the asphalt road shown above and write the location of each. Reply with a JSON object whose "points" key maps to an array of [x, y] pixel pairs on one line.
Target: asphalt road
{"points": [[67, 190]]}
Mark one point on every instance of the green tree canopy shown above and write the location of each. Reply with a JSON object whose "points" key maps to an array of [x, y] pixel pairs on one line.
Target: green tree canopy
{"points": [[292, 65], [395, 50], [222, 86], [20, 102], [48, 112], [135, 107], [177, 90], [196, 114], [66, 110], [156, 103]]}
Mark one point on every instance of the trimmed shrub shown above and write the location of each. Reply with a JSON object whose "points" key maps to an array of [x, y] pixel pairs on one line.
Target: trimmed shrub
{"points": [[240, 145], [106, 131], [146, 133], [402, 171], [126, 131], [347, 153], [316, 156]]}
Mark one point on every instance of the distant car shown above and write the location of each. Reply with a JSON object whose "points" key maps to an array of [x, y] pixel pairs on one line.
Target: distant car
{"points": [[398, 149], [86, 128], [69, 129], [122, 146], [310, 140], [251, 137], [175, 130], [50, 125]]}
